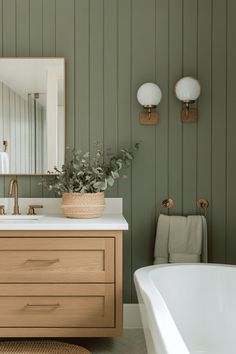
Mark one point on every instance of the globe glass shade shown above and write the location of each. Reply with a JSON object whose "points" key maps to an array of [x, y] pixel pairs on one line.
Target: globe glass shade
{"points": [[187, 89], [149, 94]]}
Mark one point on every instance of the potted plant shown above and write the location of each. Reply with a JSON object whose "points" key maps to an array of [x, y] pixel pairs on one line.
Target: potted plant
{"points": [[83, 179]]}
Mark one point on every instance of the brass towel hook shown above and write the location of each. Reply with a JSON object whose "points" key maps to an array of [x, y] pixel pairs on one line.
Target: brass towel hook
{"points": [[167, 203], [204, 204], [201, 203]]}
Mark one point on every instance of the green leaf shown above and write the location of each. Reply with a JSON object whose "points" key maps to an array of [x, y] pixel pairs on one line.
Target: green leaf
{"points": [[88, 174]]}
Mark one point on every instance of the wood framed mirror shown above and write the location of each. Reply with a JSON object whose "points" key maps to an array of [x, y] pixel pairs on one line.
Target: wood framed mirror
{"points": [[32, 115]]}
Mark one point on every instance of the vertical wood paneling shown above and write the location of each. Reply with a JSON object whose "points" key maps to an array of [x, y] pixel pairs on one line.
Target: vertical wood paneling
{"points": [[31, 137], [96, 73], [23, 49], [1, 27], [113, 46], [8, 49], [124, 130], [22, 27], [27, 145], [30, 120], [190, 12], [36, 49], [32, 129], [110, 82], [6, 117], [162, 75], [219, 130], [82, 74], [24, 182], [204, 106], [15, 142], [35, 185], [49, 27], [24, 186], [38, 138], [14, 125], [65, 48], [36, 28], [143, 169], [231, 129], [24, 136], [9, 28], [175, 126], [6, 185], [49, 49]]}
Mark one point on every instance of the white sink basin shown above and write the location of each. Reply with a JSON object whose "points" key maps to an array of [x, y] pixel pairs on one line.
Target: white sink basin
{"points": [[20, 217]]}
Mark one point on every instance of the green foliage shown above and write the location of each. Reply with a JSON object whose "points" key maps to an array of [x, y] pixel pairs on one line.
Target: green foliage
{"points": [[89, 174]]}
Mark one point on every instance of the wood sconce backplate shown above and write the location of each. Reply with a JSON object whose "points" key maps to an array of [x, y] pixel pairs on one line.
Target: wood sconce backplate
{"points": [[148, 119], [189, 117]]}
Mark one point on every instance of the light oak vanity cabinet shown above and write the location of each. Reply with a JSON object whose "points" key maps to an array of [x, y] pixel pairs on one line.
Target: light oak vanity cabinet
{"points": [[60, 283]]}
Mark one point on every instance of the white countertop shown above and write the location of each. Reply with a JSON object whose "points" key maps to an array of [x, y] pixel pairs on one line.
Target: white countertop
{"points": [[111, 219], [58, 222]]}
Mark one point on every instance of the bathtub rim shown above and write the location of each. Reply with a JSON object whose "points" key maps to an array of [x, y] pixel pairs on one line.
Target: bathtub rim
{"points": [[154, 302], [153, 299]]}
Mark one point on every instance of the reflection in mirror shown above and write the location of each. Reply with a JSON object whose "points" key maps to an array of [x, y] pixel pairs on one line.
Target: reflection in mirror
{"points": [[32, 115]]}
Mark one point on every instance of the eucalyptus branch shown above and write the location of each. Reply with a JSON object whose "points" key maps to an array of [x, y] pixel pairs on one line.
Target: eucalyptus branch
{"points": [[84, 173]]}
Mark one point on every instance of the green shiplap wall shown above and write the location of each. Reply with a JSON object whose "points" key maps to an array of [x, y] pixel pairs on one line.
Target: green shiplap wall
{"points": [[113, 46]]}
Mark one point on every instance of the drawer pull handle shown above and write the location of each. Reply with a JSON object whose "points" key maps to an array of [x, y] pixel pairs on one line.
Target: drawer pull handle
{"points": [[51, 261], [42, 305]]}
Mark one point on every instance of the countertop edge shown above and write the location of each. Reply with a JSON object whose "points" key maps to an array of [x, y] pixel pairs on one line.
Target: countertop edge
{"points": [[57, 223]]}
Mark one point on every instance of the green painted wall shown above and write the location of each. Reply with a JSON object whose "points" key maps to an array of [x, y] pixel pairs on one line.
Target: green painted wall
{"points": [[111, 47]]}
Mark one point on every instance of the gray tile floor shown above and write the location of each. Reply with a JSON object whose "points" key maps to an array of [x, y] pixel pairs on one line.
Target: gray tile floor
{"points": [[132, 342]]}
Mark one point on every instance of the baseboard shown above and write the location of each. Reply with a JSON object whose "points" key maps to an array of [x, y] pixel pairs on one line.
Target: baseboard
{"points": [[132, 318]]}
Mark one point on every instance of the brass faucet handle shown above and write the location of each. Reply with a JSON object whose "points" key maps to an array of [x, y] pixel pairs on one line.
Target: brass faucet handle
{"points": [[2, 210], [31, 210]]}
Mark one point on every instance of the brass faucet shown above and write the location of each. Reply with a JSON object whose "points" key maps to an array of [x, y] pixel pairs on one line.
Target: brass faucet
{"points": [[13, 186]]}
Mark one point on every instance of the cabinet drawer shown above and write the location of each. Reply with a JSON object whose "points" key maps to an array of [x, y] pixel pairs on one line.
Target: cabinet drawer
{"points": [[56, 260], [57, 306]]}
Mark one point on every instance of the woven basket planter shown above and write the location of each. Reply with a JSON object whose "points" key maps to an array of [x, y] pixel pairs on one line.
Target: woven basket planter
{"points": [[83, 205]]}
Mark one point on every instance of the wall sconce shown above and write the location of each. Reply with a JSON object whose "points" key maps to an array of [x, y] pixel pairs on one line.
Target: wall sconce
{"points": [[149, 96], [188, 90]]}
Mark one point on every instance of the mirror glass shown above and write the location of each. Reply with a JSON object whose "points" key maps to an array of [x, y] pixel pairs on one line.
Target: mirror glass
{"points": [[32, 115]]}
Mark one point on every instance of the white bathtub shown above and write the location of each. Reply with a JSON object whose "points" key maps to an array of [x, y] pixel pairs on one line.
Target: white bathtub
{"points": [[188, 308]]}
